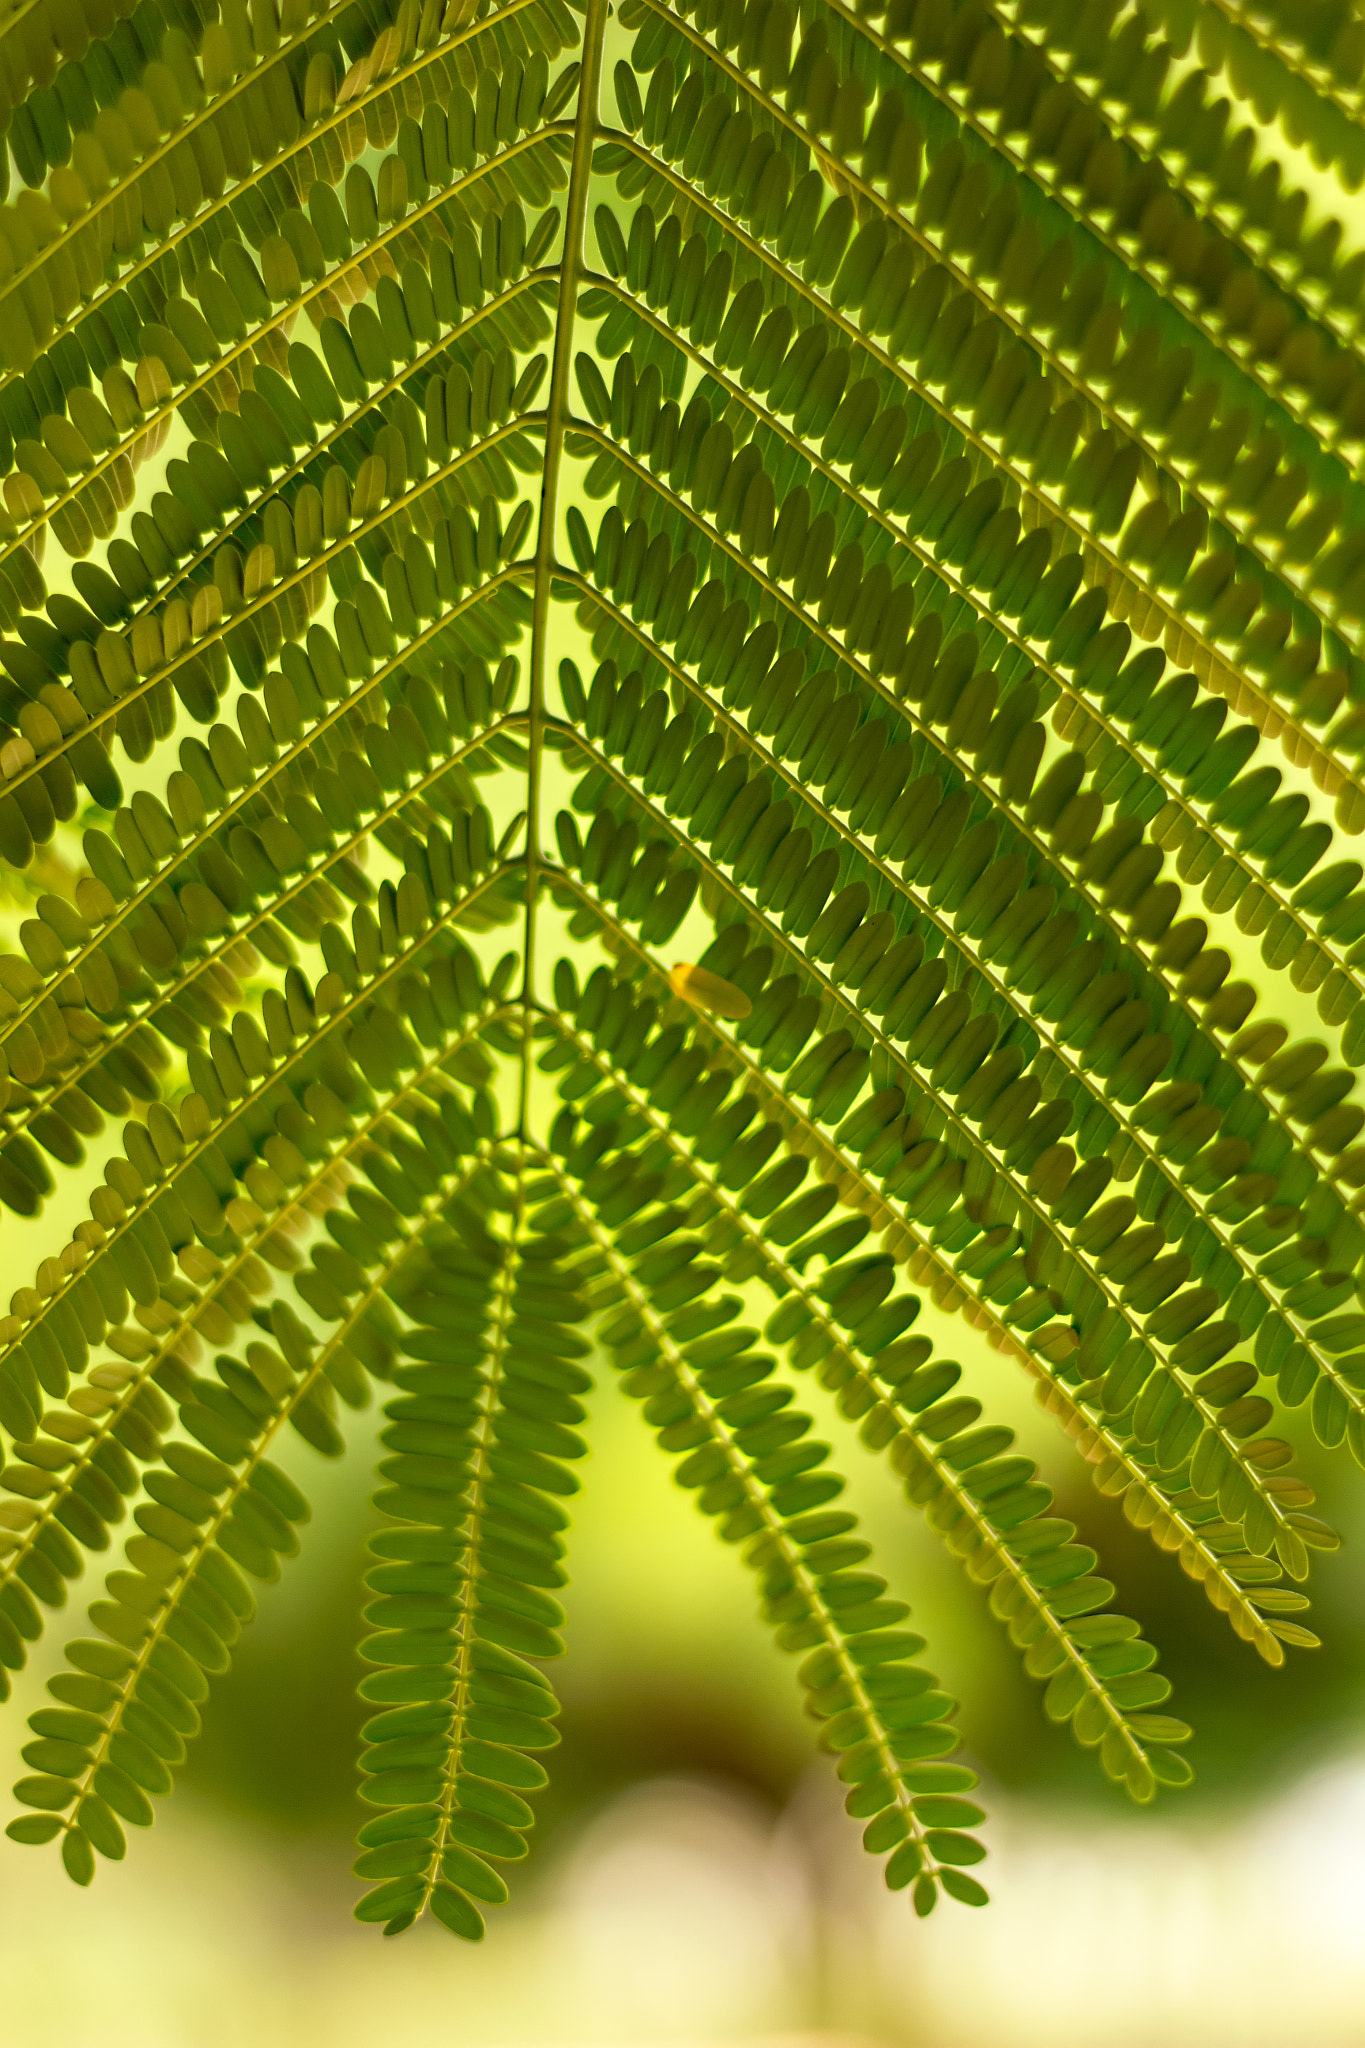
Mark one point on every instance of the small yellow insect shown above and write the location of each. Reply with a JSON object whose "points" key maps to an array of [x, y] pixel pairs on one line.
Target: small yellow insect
{"points": [[697, 985]]}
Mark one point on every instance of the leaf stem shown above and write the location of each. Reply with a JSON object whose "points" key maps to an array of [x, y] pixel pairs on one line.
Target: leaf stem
{"points": [[556, 414]]}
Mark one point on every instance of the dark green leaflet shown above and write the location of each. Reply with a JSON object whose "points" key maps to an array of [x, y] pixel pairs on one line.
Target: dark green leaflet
{"points": [[940, 422]]}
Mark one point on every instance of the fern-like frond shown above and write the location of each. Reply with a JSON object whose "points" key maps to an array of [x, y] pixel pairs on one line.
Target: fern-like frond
{"points": [[850, 495], [749, 1458], [479, 1434]]}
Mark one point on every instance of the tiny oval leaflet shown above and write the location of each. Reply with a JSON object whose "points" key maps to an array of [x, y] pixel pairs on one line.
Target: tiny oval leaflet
{"points": [[707, 991]]}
